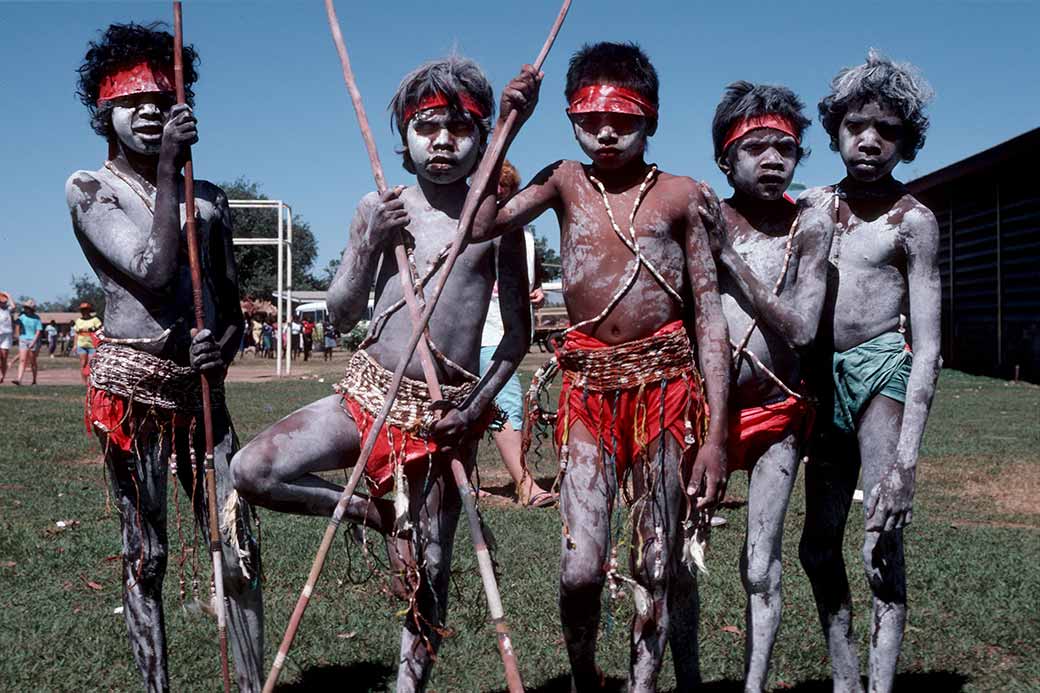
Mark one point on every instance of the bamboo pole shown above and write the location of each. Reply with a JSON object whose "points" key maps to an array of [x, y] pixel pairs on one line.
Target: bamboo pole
{"points": [[495, 153], [200, 324]]}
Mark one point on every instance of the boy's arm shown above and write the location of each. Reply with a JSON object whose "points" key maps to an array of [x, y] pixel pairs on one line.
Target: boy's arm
{"points": [[795, 313], [220, 350], [150, 259], [376, 218], [891, 502], [541, 194], [708, 479], [514, 303], [521, 96]]}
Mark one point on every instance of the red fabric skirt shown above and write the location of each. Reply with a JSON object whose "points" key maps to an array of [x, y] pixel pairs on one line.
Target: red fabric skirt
{"points": [[626, 420], [753, 430], [107, 413]]}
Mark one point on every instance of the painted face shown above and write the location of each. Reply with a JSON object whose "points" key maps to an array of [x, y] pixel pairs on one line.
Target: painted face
{"points": [[611, 140], [138, 120], [869, 140], [761, 163], [444, 147]]}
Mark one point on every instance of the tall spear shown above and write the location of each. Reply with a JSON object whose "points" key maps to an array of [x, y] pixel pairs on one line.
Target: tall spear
{"points": [[200, 324], [492, 158]]}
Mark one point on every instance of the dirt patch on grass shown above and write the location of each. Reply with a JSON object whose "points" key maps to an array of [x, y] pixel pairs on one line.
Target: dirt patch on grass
{"points": [[1007, 487]]}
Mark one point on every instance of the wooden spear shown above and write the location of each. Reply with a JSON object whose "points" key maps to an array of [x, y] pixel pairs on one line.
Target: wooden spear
{"points": [[495, 153], [207, 408]]}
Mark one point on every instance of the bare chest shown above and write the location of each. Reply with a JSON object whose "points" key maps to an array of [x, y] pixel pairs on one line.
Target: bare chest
{"points": [[862, 245]]}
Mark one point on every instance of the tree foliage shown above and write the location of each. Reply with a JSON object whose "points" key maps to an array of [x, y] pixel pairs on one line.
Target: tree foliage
{"points": [[550, 259], [258, 264]]}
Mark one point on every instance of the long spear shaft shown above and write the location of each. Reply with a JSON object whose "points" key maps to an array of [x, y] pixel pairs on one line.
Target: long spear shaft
{"points": [[469, 208], [200, 323]]}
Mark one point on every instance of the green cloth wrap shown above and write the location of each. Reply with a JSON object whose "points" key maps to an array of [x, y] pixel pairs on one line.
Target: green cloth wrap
{"points": [[878, 366]]}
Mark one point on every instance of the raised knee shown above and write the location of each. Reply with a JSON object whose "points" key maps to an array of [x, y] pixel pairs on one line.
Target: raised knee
{"points": [[249, 475]]}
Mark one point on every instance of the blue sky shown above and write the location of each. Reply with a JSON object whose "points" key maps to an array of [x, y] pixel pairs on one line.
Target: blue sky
{"points": [[272, 106]]}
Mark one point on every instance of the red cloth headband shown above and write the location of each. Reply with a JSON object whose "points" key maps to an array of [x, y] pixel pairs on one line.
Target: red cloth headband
{"points": [[439, 100], [141, 78], [770, 120], [608, 98]]}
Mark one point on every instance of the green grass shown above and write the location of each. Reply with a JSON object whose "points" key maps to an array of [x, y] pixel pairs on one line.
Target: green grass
{"points": [[973, 558]]}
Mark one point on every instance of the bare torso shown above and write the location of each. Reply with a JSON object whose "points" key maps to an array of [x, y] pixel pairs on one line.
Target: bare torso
{"points": [[456, 324], [870, 294], [106, 214], [596, 263], [763, 250]]}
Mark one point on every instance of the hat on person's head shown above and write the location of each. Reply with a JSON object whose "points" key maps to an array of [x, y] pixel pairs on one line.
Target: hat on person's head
{"points": [[4, 296], [30, 304], [85, 306]]}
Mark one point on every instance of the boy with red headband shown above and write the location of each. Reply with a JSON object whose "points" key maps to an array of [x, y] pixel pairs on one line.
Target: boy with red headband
{"points": [[771, 259], [442, 111], [883, 295], [143, 398], [636, 264]]}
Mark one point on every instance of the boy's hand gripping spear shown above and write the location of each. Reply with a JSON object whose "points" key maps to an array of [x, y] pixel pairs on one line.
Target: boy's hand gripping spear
{"points": [[496, 151], [200, 324]]}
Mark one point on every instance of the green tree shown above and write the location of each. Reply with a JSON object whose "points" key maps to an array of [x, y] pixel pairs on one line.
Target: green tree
{"points": [[550, 259], [258, 264], [86, 288]]}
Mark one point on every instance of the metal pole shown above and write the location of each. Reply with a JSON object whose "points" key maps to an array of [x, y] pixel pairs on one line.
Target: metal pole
{"points": [[288, 284], [278, 303]]}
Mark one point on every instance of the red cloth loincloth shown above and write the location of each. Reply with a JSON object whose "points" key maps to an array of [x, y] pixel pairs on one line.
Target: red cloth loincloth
{"points": [[753, 430], [393, 444], [107, 413], [639, 418], [399, 441]]}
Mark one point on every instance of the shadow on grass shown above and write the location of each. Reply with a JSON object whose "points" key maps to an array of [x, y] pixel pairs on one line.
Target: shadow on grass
{"points": [[362, 676], [562, 684], [946, 681]]}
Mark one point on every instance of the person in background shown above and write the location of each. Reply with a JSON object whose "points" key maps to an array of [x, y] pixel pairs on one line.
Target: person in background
{"points": [[258, 334], [52, 337], [307, 332], [6, 331], [29, 328], [509, 400], [86, 327], [330, 337]]}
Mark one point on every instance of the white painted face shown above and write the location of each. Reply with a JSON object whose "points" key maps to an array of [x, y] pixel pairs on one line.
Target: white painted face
{"points": [[443, 147], [138, 121], [611, 140], [761, 163], [869, 141]]}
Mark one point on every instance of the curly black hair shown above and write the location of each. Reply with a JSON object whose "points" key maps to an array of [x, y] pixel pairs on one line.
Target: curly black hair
{"points": [[746, 100], [621, 64], [899, 86], [120, 46]]}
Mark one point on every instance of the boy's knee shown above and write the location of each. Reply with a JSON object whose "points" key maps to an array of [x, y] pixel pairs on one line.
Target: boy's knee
{"points": [[761, 576], [883, 567], [817, 551], [581, 576], [249, 475]]}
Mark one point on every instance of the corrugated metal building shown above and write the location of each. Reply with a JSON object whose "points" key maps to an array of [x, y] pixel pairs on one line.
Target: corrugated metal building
{"points": [[988, 209]]}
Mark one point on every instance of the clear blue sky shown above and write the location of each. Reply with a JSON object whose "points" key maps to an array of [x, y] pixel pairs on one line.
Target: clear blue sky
{"points": [[272, 106]]}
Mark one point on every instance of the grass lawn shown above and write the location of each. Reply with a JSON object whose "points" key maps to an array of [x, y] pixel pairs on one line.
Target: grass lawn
{"points": [[973, 556]]}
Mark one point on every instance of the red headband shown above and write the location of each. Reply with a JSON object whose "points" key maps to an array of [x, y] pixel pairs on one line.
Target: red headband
{"points": [[770, 120], [141, 78], [608, 98], [439, 100]]}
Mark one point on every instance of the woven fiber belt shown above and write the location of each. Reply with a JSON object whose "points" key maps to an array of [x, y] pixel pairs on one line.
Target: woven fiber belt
{"points": [[642, 362], [366, 382], [145, 379]]}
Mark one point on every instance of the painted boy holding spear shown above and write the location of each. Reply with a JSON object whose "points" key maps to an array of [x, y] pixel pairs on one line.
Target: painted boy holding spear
{"points": [[442, 111], [144, 395], [638, 276]]}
